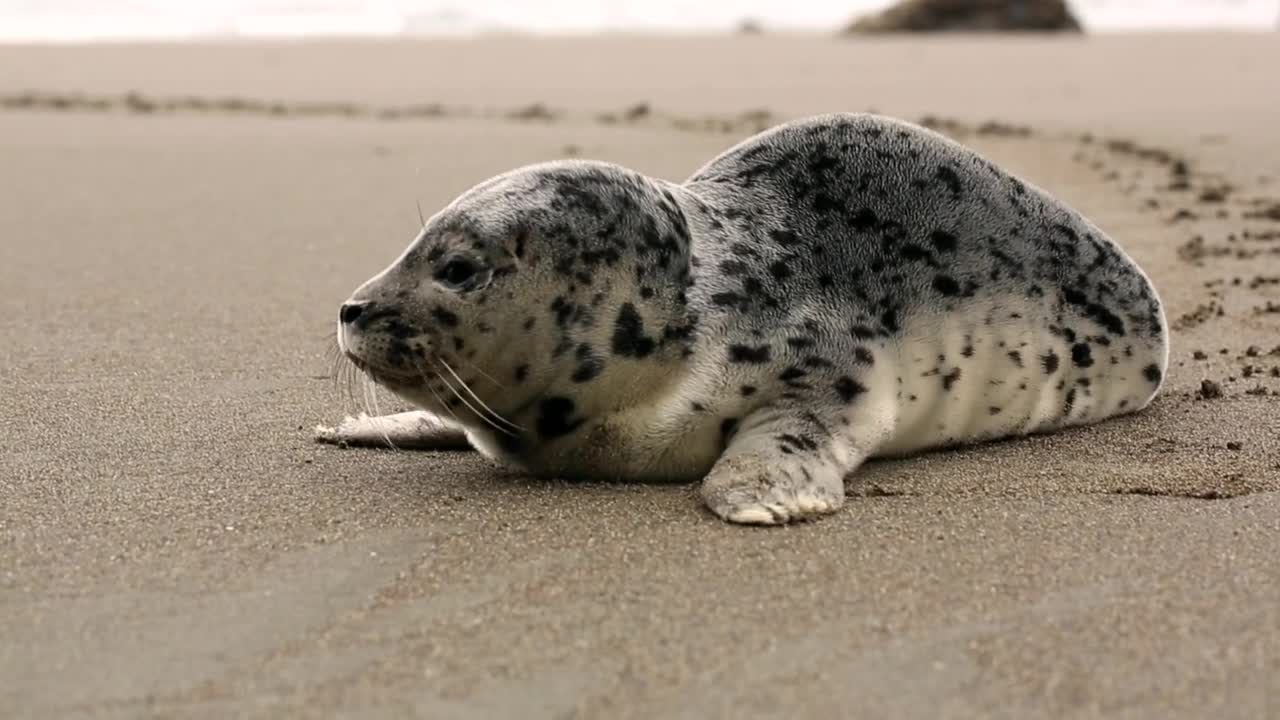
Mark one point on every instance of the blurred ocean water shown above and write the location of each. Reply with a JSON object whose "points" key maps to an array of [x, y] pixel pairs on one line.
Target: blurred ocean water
{"points": [[77, 20]]}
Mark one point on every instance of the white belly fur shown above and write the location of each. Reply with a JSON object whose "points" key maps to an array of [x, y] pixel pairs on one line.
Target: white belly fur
{"points": [[995, 397]]}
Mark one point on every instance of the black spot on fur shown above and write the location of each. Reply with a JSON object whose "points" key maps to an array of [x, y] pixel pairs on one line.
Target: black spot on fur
{"points": [[749, 354], [629, 339], [779, 270], [1016, 357], [589, 364], [1094, 311], [912, 252], [863, 220], [792, 376], [785, 238], [747, 390], [848, 388], [943, 241], [555, 417], [522, 372], [1050, 362], [863, 356], [563, 310], [824, 203], [731, 299], [890, 320], [950, 379], [950, 179], [946, 285], [1081, 355], [1151, 373], [1068, 232]]}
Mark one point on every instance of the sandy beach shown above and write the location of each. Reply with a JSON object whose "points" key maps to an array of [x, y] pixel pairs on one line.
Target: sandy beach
{"points": [[178, 225]]}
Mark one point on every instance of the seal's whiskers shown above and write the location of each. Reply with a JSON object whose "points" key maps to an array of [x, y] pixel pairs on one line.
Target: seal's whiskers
{"points": [[493, 413], [378, 420], [343, 372], [483, 374], [426, 382], [483, 416]]}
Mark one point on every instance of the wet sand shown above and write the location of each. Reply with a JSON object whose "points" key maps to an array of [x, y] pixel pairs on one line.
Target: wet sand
{"points": [[180, 223]]}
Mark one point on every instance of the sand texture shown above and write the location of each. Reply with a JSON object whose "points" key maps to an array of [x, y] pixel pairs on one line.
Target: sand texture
{"points": [[179, 224]]}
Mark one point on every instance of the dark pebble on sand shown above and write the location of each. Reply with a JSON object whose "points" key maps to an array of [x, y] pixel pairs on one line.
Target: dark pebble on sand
{"points": [[1253, 351], [1199, 355], [637, 111], [1209, 390], [1233, 445]]}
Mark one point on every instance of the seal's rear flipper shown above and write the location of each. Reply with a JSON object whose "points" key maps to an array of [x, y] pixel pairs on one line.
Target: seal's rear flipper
{"points": [[417, 430]]}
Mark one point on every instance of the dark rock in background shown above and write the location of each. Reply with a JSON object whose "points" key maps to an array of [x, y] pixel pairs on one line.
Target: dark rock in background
{"points": [[970, 16]]}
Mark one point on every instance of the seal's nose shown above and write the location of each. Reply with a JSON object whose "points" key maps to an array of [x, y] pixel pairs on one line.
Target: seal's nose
{"points": [[352, 310]]}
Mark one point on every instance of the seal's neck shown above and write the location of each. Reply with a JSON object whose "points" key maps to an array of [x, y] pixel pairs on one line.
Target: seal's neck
{"points": [[629, 336], [620, 344]]}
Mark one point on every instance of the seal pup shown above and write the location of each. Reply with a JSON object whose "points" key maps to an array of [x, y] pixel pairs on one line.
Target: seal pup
{"points": [[833, 289]]}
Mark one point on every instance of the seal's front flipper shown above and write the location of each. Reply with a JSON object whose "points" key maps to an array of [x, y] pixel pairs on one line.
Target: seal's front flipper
{"points": [[783, 465], [417, 430]]}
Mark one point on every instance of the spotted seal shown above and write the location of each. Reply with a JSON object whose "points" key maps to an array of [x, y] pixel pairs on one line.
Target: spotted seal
{"points": [[832, 289]]}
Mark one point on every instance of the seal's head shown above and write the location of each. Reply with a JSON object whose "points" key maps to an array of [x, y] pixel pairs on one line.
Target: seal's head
{"points": [[530, 279]]}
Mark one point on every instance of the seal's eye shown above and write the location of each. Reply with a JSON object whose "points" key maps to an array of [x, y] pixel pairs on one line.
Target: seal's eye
{"points": [[458, 273]]}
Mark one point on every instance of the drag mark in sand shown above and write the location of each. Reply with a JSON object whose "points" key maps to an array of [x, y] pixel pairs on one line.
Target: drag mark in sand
{"points": [[746, 122], [136, 103]]}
